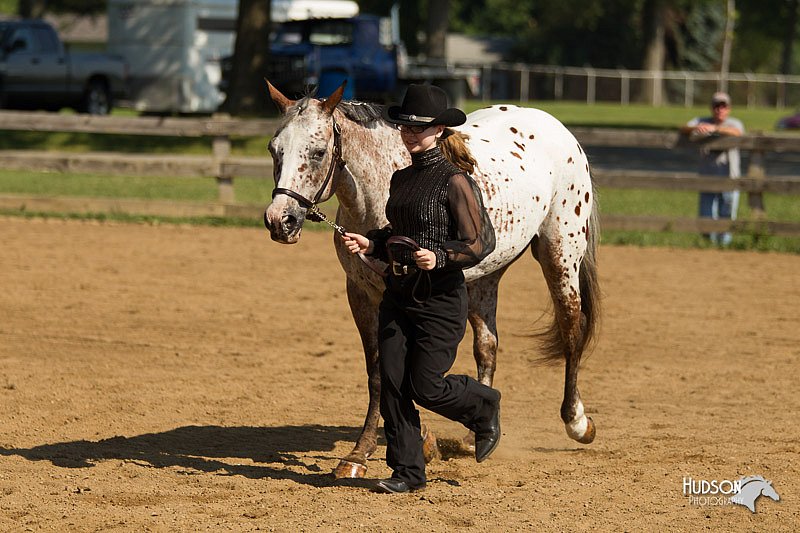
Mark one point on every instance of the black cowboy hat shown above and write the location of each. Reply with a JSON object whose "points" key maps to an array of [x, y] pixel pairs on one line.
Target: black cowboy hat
{"points": [[424, 105]]}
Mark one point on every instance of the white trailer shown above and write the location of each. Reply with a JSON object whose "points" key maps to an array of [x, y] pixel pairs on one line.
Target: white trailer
{"points": [[174, 47]]}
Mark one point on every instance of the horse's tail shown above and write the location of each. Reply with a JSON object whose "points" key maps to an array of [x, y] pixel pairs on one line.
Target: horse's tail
{"points": [[553, 346]]}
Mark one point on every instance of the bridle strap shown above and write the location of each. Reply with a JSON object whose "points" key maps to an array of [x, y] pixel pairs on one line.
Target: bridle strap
{"points": [[337, 163]]}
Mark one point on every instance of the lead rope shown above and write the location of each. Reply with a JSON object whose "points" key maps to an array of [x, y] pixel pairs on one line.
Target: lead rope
{"points": [[321, 217]]}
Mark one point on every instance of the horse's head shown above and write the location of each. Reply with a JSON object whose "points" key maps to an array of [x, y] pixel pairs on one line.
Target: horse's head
{"points": [[306, 155], [769, 491]]}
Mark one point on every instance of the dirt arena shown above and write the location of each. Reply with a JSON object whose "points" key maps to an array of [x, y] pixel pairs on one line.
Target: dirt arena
{"points": [[175, 378]]}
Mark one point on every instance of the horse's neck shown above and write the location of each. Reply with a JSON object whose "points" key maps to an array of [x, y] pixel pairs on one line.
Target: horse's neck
{"points": [[372, 155]]}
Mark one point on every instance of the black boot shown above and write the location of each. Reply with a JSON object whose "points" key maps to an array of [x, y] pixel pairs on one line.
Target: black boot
{"points": [[487, 433], [396, 486]]}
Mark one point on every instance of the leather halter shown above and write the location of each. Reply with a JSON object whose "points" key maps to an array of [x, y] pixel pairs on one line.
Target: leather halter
{"points": [[337, 164]]}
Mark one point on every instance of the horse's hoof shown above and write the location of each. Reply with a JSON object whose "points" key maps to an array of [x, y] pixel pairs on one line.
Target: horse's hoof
{"points": [[587, 435], [349, 470], [430, 448]]}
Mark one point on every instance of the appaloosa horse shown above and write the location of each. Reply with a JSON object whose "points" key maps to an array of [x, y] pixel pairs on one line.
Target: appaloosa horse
{"points": [[537, 189]]}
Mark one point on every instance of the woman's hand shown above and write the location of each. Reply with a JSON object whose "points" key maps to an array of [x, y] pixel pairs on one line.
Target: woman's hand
{"points": [[357, 243], [425, 259]]}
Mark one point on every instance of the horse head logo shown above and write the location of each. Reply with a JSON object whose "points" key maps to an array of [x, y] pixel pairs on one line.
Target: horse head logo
{"points": [[751, 488]]}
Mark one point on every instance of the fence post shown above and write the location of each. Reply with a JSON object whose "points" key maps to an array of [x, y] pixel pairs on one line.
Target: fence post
{"points": [[524, 83], [486, 83], [688, 91], [590, 85], [756, 172], [221, 147], [624, 87], [558, 85]]}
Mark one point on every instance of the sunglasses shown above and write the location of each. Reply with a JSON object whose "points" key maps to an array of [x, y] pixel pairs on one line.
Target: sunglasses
{"points": [[416, 130], [721, 104]]}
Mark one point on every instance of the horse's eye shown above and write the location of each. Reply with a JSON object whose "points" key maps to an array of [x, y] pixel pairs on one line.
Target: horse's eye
{"points": [[318, 154]]}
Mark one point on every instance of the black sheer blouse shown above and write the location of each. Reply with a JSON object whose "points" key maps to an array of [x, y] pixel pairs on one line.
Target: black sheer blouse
{"points": [[440, 207]]}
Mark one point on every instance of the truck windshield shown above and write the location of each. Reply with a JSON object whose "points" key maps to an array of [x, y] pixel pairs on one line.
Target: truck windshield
{"points": [[330, 32], [321, 32]]}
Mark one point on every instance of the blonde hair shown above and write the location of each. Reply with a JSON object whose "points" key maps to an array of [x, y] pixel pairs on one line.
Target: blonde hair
{"points": [[454, 148]]}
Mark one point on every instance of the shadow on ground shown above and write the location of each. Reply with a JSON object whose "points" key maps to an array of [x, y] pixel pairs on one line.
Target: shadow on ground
{"points": [[203, 448]]}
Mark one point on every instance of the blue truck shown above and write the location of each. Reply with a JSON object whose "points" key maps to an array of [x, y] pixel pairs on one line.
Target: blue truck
{"points": [[364, 49]]}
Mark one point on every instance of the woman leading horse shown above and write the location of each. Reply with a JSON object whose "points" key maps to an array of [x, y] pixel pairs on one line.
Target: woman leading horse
{"points": [[438, 226]]}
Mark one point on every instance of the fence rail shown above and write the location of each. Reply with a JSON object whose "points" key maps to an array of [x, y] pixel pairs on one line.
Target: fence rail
{"points": [[220, 165], [502, 81]]}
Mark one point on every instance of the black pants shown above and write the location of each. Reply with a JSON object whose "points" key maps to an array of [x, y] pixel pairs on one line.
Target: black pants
{"points": [[418, 344]]}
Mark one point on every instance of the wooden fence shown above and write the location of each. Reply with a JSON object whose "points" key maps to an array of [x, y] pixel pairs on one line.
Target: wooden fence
{"points": [[222, 166]]}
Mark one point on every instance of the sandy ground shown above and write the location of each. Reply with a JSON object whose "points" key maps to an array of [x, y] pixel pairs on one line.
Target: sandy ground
{"points": [[169, 378]]}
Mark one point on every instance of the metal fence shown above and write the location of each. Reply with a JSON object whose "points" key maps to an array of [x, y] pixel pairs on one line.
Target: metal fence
{"points": [[507, 81]]}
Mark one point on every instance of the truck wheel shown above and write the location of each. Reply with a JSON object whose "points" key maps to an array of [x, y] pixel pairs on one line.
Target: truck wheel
{"points": [[96, 99]]}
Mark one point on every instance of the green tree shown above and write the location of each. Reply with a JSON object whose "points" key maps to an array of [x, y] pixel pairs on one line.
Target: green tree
{"points": [[671, 34], [767, 36]]}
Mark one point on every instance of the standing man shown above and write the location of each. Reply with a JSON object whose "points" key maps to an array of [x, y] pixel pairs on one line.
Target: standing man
{"points": [[722, 163]]}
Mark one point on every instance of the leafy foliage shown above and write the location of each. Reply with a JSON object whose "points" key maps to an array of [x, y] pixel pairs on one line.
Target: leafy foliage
{"points": [[614, 33], [699, 36]]}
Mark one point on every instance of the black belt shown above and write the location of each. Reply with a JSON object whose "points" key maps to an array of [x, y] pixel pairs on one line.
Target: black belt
{"points": [[399, 269], [421, 289]]}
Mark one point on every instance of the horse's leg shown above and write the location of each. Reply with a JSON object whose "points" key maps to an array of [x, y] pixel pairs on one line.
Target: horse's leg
{"points": [[482, 316], [365, 314], [560, 259]]}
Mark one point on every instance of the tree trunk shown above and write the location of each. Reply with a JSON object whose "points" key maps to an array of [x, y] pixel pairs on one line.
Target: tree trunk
{"points": [[409, 24], [655, 53], [789, 37], [32, 9], [438, 24], [247, 91], [727, 43]]}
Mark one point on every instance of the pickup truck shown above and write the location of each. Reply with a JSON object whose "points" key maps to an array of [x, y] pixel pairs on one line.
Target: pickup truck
{"points": [[364, 49], [37, 72]]}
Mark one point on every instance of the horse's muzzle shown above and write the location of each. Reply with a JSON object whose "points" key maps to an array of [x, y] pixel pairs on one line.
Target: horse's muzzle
{"points": [[283, 225]]}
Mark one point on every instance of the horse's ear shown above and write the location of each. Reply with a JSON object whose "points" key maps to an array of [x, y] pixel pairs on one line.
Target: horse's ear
{"points": [[333, 100], [280, 100]]}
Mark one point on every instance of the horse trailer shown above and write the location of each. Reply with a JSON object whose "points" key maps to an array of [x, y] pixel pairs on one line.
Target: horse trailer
{"points": [[174, 47]]}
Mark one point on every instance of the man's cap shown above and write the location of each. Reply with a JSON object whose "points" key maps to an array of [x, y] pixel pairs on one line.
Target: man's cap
{"points": [[721, 98]]}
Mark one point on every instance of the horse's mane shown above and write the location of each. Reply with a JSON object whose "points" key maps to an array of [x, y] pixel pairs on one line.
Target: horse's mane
{"points": [[745, 480], [363, 113]]}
